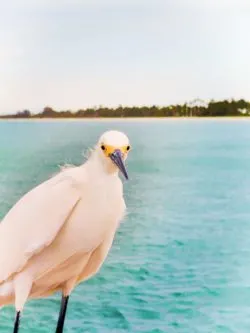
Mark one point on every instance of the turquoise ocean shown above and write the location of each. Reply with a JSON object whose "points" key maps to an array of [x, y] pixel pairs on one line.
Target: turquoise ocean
{"points": [[180, 262]]}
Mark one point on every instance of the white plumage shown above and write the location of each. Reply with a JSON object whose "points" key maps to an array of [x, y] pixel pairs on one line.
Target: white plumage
{"points": [[59, 233]]}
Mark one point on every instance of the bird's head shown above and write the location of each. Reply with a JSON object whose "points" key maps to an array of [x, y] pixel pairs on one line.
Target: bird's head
{"points": [[113, 148]]}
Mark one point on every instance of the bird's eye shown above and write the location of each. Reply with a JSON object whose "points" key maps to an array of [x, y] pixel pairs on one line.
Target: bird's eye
{"points": [[128, 148], [103, 147]]}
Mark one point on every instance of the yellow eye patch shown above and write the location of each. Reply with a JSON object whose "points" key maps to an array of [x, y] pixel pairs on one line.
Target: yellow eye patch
{"points": [[110, 149]]}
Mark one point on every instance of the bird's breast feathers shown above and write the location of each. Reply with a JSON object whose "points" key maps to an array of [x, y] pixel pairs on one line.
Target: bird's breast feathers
{"points": [[99, 211]]}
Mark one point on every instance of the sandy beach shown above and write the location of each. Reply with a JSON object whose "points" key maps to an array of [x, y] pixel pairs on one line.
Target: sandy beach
{"points": [[127, 119]]}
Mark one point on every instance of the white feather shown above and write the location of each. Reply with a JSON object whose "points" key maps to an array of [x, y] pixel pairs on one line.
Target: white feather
{"points": [[6, 289]]}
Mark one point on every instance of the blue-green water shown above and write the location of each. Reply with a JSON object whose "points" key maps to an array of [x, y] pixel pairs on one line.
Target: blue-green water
{"points": [[180, 261]]}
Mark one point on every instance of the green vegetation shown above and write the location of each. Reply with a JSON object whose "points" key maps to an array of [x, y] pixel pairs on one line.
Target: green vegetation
{"points": [[196, 108]]}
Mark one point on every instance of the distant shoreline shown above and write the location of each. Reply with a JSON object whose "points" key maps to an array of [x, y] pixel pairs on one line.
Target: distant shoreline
{"points": [[194, 109], [123, 119]]}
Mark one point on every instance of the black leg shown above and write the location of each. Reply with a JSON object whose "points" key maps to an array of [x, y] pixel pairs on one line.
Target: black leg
{"points": [[62, 314], [17, 321]]}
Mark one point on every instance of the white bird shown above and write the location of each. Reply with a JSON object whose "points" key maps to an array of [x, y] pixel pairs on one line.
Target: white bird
{"points": [[60, 232]]}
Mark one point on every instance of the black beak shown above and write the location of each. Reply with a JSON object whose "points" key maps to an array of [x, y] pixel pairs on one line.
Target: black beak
{"points": [[116, 158]]}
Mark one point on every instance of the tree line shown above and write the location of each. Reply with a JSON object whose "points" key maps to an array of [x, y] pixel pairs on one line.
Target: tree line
{"points": [[196, 108]]}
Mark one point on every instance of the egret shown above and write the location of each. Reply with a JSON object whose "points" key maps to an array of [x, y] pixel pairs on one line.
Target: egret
{"points": [[60, 232]]}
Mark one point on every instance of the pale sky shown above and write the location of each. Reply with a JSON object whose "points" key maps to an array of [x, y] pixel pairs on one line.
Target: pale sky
{"points": [[71, 54]]}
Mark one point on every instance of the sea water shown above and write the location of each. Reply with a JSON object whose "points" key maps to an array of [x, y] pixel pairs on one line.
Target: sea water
{"points": [[180, 262]]}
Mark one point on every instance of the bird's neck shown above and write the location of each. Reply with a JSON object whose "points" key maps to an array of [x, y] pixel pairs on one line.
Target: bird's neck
{"points": [[99, 167]]}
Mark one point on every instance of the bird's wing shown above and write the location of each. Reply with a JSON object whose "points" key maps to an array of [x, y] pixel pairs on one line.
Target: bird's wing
{"points": [[34, 222]]}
